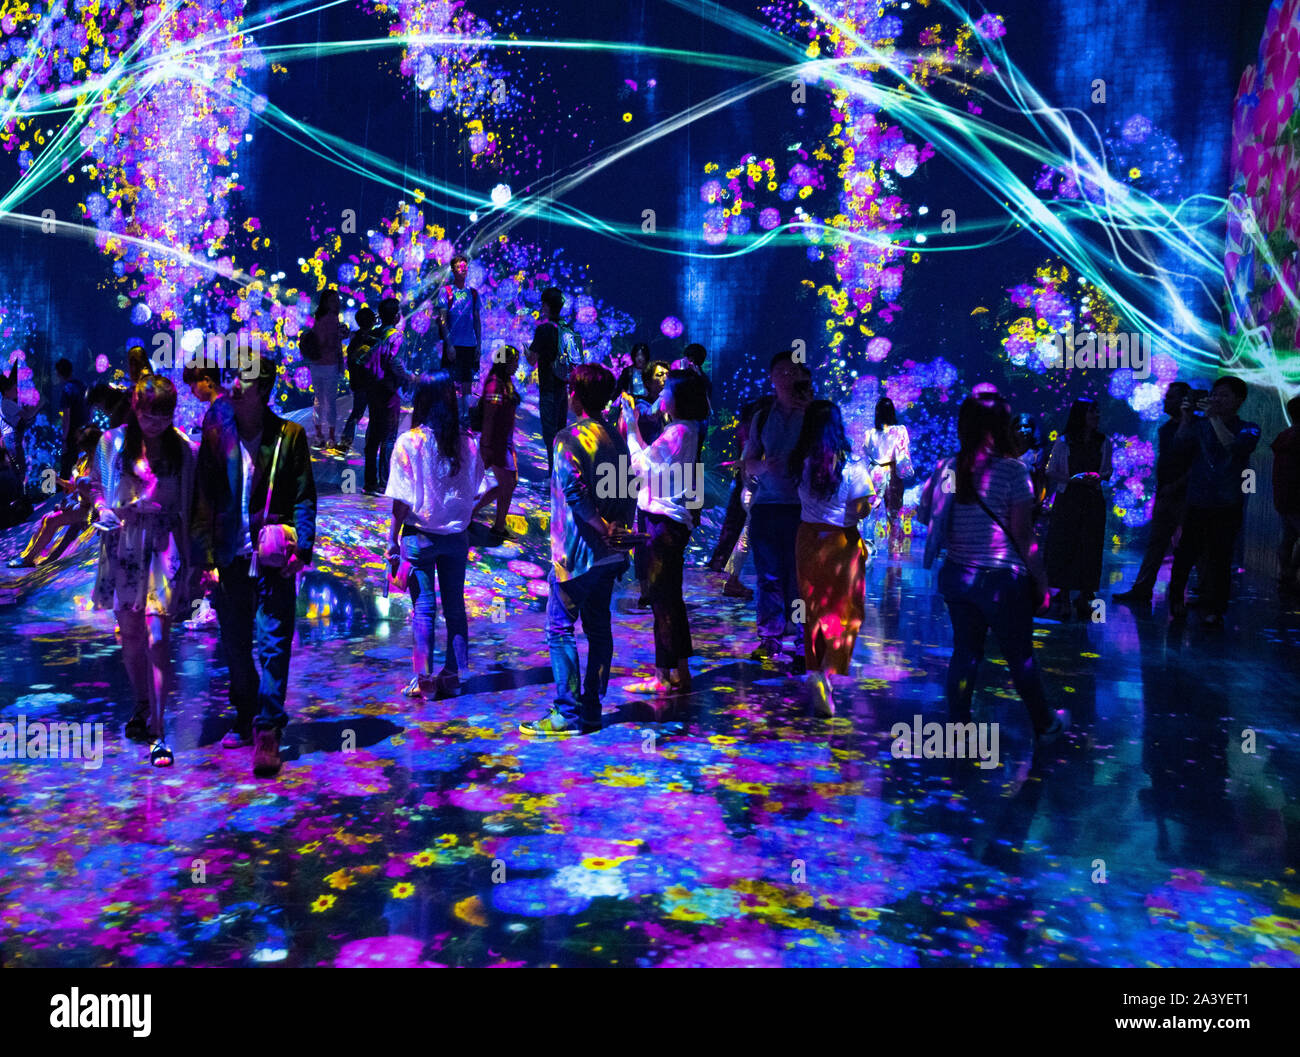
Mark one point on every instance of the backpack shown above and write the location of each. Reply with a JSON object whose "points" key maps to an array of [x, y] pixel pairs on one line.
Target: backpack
{"points": [[309, 345]]}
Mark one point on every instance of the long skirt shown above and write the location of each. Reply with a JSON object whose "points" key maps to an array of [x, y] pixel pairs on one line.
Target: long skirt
{"points": [[1076, 537], [832, 564]]}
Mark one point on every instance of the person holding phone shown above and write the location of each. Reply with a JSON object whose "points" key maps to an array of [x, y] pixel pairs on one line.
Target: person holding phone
{"points": [[993, 576], [142, 492], [1220, 445]]}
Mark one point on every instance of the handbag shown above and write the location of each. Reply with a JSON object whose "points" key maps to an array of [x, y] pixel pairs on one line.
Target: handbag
{"points": [[275, 543]]}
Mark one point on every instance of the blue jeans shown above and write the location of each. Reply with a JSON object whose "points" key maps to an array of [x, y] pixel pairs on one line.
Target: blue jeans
{"points": [[257, 612], [446, 556], [552, 409], [1003, 600], [773, 530], [586, 597]]}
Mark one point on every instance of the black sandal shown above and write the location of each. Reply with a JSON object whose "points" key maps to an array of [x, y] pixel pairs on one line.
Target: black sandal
{"points": [[160, 755], [137, 727]]}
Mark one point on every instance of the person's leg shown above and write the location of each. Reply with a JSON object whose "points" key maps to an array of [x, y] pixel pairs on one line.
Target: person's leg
{"points": [[375, 432], [453, 557], [135, 657], [507, 480], [1221, 539], [764, 538], [959, 585], [663, 589], [594, 608], [73, 522], [562, 606], [1186, 555], [235, 601], [332, 403], [417, 550], [392, 419], [547, 413], [1288, 551], [359, 400], [1165, 517], [1010, 610], [277, 604], [732, 524], [788, 533], [318, 401], [160, 671]]}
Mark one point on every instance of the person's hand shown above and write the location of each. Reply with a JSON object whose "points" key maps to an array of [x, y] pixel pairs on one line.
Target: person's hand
{"points": [[1203, 405], [293, 566], [1186, 409], [107, 520]]}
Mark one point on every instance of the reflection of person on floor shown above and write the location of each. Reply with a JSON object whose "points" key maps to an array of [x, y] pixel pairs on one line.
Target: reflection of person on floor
{"points": [[1172, 467], [774, 511], [255, 473], [433, 482], [888, 452], [142, 489], [500, 402], [1220, 445], [1080, 464], [835, 493], [980, 507], [584, 565], [74, 512], [672, 482], [1286, 498]]}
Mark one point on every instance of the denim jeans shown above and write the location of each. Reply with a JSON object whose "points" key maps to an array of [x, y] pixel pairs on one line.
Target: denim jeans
{"points": [[446, 556], [586, 597], [257, 613], [553, 410], [773, 530], [1003, 600], [360, 397]]}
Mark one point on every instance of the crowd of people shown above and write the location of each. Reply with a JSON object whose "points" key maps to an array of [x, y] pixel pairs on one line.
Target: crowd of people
{"points": [[231, 512]]}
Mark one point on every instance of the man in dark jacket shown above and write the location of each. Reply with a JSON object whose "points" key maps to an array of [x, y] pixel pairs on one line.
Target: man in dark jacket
{"points": [[358, 355], [256, 601]]}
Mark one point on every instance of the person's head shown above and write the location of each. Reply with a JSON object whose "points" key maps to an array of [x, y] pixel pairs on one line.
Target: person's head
{"points": [[983, 428], [365, 317], [63, 368], [1083, 420], [696, 353], [1227, 394], [591, 387], [1174, 397], [1293, 410], [390, 311], [204, 382], [823, 447], [686, 396], [249, 396], [654, 377], [885, 413], [1024, 434], [640, 355], [87, 439], [784, 373], [137, 363], [153, 405], [552, 302], [329, 304], [505, 361], [459, 267], [434, 409], [985, 392]]}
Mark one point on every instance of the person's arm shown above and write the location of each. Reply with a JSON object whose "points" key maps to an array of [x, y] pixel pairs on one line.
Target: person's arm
{"points": [[752, 459], [1058, 466], [1241, 441], [478, 324], [1020, 521], [903, 456], [574, 488], [304, 502], [1106, 469], [400, 513], [925, 508]]}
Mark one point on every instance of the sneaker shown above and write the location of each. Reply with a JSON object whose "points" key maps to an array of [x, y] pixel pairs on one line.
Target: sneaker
{"points": [[237, 738], [1054, 730], [266, 753], [798, 664], [555, 725], [733, 588], [1132, 598], [767, 651]]}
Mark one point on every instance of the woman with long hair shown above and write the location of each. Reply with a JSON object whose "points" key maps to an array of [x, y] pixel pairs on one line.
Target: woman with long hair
{"points": [[981, 505], [672, 488], [631, 380], [835, 493], [433, 481], [142, 489], [888, 452], [329, 332], [1079, 463], [499, 402]]}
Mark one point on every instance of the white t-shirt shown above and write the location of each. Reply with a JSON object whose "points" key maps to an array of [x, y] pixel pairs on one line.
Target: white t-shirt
{"points": [[672, 480], [420, 477], [833, 509]]}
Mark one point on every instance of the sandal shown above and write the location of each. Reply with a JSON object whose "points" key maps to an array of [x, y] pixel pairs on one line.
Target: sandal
{"points": [[160, 755], [650, 686], [419, 685]]}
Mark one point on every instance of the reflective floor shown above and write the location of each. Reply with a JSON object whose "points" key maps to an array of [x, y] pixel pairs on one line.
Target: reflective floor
{"points": [[746, 832]]}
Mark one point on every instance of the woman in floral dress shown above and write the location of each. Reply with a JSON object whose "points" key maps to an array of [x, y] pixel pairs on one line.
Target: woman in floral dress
{"points": [[887, 450]]}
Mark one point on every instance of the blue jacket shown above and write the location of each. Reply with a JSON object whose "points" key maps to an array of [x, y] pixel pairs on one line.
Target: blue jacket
{"points": [[1215, 479], [590, 478]]}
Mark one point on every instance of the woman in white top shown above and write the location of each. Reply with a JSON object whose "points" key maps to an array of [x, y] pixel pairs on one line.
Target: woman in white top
{"points": [[434, 480], [330, 333], [835, 493], [887, 450], [671, 489]]}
